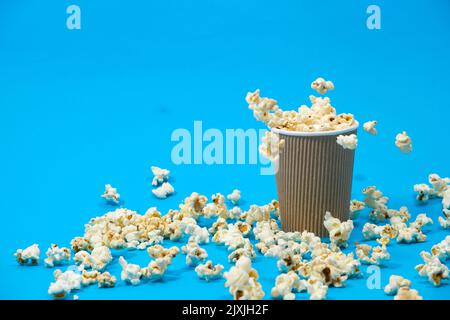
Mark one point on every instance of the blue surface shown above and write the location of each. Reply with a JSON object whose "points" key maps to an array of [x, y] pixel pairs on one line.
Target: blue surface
{"points": [[86, 107]]}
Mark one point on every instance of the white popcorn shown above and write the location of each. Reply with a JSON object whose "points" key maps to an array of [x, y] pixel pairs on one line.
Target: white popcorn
{"points": [[234, 196], [194, 253], [156, 269], [235, 213], [217, 207], [260, 213], [89, 277], [286, 284], [355, 207], [158, 251], [395, 283], [159, 175], [316, 289], [424, 192], [339, 231], [368, 255], [56, 255], [445, 221], [110, 194], [106, 280], [246, 250], [433, 269], [408, 234], [421, 221], [378, 202], [442, 249], [29, 255], [372, 231], [271, 146], [321, 85], [242, 281], [131, 273], [440, 185], [349, 141], [209, 272], [403, 142], [405, 293], [98, 259], [163, 191], [369, 127], [80, 244], [65, 283]]}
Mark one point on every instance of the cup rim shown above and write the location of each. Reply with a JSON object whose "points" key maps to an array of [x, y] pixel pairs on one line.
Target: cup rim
{"points": [[315, 133]]}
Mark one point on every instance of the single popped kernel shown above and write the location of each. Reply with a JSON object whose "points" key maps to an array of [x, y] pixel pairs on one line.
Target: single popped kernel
{"points": [[321, 85], [375, 256], [355, 207], [56, 255], [406, 293], [110, 194], [433, 269], [242, 281], [159, 175], [403, 142], [395, 283], [339, 231], [209, 272], [98, 259], [286, 284], [271, 146], [194, 253], [234, 196], [347, 141], [29, 255], [369, 127], [89, 277], [131, 273], [65, 283], [442, 249], [378, 202], [163, 191], [106, 280]]}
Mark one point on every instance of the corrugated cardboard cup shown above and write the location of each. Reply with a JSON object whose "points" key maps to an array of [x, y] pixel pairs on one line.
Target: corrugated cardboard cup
{"points": [[314, 176]]}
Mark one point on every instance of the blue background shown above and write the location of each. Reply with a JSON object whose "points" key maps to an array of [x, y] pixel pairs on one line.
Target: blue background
{"points": [[81, 108]]}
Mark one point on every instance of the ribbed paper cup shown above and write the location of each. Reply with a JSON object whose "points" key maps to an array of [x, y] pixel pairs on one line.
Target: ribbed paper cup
{"points": [[314, 176]]}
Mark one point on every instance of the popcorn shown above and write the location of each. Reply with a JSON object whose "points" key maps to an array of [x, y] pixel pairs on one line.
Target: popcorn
{"points": [[106, 280], [260, 213], [378, 202], [234, 196], [235, 213], [158, 251], [163, 191], [246, 250], [156, 269], [220, 224], [97, 259], [65, 283], [442, 249], [131, 273], [372, 231], [339, 231], [285, 286], [369, 127], [194, 253], [421, 221], [368, 255], [89, 277], [438, 187], [445, 222], [405, 293], [110, 194], [242, 281], [355, 207], [316, 289], [424, 192], [395, 283], [193, 205], [347, 141], [159, 175], [56, 255], [271, 146], [80, 244], [403, 142], [28, 256], [433, 268], [407, 234], [209, 272], [217, 207], [322, 86]]}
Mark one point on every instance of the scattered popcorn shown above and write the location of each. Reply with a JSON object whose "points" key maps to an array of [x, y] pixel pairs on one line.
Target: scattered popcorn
{"points": [[355, 207], [89, 277], [97, 259], [110, 194], [316, 289], [246, 250], [286, 284], [339, 231], [433, 268], [438, 187], [242, 281], [322, 86], [106, 280], [234, 196], [56, 255], [445, 221], [442, 249], [395, 283], [372, 231], [194, 253], [407, 234], [369, 127], [164, 190], [209, 272], [131, 273], [405, 293], [65, 283], [403, 142], [424, 192], [347, 141], [271, 146], [28, 256], [159, 175], [80, 244], [158, 251], [421, 221], [368, 255], [375, 200], [217, 207]]}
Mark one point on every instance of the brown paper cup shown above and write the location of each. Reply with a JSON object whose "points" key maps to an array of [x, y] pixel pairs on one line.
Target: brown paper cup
{"points": [[314, 176]]}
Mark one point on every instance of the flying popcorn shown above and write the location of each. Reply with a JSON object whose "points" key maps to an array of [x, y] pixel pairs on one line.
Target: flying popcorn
{"points": [[433, 269], [110, 194], [65, 283], [194, 253], [339, 231], [395, 283], [106, 280], [369, 127], [242, 281], [28, 256], [321, 85], [405, 293], [403, 142], [286, 284], [234, 196], [271, 146], [159, 175], [56, 255], [355, 207], [163, 191], [378, 202], [347, 141], [209, 272]]}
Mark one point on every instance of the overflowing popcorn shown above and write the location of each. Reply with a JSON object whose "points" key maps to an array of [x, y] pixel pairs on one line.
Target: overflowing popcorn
{"points": [[65, 283], [271, 146], [349, 141], [406, 293], [321, 85], [208, 271], [234, 196], [57, 256], [29, 255], [403, 142], [163, 191], [369, 127], [395, 283], [339, 231], [194, 253], [159, 175], [433, 269], [110, 194], [355, 207], [242, 281]]}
